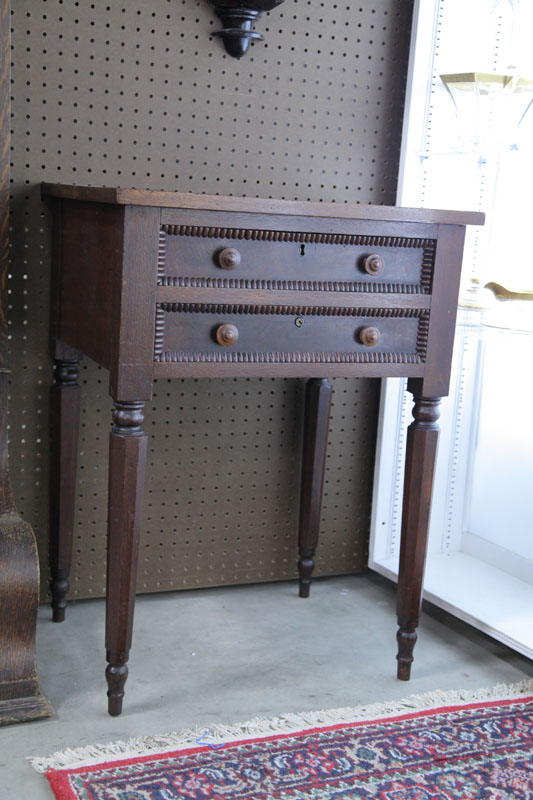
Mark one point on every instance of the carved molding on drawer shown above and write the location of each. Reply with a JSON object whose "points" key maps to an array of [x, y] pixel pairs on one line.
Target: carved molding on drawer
{"points": [[313, 311], [422, 335], [307, 286], [428, 261], [289, 358], [310, 311], [159, 339], [161, 257], [359, 240], [206, 231]]}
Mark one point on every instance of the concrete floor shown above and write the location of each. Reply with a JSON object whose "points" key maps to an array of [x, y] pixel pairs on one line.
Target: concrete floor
{"points": [[229, 654]]}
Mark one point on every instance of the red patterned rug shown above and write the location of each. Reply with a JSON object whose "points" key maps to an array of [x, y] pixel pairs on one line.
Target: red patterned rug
{"points": [[458, 751]]}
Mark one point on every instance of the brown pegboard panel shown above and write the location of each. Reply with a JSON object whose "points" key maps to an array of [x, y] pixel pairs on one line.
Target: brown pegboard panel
{"points": [[137, 94], [221, 500]]}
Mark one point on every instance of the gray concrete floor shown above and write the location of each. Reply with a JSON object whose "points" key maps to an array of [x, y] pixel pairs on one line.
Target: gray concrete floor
{"points": [[230, 654]]}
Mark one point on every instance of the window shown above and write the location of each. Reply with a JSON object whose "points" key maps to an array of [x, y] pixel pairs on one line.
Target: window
{"points": [[473, 152]]}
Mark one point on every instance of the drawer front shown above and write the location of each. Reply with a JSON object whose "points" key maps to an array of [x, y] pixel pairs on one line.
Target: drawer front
{"points": [[209, 333], [234, 258]]}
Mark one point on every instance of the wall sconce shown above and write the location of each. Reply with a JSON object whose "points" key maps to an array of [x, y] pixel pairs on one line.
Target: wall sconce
{"points": [[238, 19]]}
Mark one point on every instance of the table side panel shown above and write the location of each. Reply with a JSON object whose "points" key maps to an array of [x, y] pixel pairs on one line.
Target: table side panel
{"points": [[131, 375], [441, 334], [91, 248]]}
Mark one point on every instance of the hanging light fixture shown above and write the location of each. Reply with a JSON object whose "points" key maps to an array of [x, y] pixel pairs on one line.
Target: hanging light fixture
{"points": [[500, 104], [238, 19], [492, 101]]}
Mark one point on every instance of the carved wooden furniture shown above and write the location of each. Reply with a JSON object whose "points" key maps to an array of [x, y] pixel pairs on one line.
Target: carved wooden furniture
{"points": [[20, 697], [162, 285]]}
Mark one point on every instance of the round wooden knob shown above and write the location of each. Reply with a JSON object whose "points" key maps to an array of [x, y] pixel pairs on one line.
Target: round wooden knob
{"points": [[369, 337], [229, 258], [374, 264], [227, 335]]}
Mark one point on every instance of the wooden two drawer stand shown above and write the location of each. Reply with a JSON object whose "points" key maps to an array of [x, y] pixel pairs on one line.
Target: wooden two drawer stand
{"points": [[167, 285]]}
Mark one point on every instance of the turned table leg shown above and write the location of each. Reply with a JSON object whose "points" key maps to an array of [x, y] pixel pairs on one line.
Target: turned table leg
{"points": [[422, 436], [65, 421], [316, 426], [127, 460]]}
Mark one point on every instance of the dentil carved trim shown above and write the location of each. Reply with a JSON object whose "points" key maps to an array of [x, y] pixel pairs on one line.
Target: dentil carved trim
{"points": [[422, 334], [320, 311], [205, 231], [289, 358], [159, 338], [428, 261], [309, 286], [161, 257]]}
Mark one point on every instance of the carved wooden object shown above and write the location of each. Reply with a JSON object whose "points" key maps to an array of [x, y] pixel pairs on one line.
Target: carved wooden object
{"points": [[422, 436], [238, 17], [316, 425], [127, 460], [65, 421], [20, 696], [311, 291]]}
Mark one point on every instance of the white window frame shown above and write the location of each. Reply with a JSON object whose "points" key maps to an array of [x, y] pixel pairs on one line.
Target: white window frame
{"points": [[457, 578]]}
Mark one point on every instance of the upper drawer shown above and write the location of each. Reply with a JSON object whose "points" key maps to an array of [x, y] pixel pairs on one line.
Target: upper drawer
{"points": [[254, 259]]}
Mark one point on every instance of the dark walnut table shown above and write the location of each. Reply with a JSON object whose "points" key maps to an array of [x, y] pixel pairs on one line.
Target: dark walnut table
{"points": [[167, 285]]}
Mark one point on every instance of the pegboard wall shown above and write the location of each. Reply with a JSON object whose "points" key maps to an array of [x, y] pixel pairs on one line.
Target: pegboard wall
{"points": [[137, 94]]}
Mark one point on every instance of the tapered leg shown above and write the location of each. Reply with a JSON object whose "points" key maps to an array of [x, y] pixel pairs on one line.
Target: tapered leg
{"points": [[316, 425], [422, 437], [65, 421], [127, 460]]}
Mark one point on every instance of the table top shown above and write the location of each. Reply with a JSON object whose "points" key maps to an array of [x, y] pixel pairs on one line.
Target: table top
{"points": [[251, 205]]}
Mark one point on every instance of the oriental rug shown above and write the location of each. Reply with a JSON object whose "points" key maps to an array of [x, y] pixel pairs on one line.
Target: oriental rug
{"points": [[463, 747]]}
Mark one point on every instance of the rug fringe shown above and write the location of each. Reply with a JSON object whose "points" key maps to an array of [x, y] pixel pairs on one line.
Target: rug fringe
{"points": [[71, 758]]}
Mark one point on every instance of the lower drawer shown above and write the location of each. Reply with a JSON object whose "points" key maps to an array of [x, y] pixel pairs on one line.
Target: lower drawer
{"points": [[272, 334]]}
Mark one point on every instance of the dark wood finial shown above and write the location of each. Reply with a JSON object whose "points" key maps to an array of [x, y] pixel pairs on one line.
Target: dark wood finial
{"points": [[238, 19]]}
